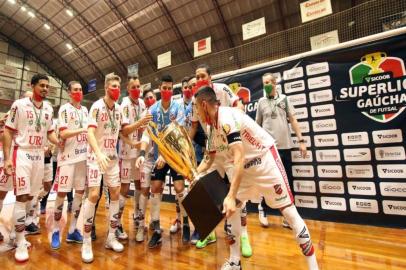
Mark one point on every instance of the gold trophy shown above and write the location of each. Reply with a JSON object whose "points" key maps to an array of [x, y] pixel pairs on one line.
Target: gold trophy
{"points": [[204, 201]]}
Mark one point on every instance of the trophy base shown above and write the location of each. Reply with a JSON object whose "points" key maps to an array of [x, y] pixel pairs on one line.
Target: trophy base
{"points": [[204, 203]]}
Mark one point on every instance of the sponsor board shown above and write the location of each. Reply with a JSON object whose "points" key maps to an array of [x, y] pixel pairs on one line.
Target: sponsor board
{"points": [[304, 186], [329, 171], [303, 126], [317, 68], [392, 170], [331, 187], [293, 73], [301, 113], [355, 138], [390, 153], [306, 201], [359, 171], [319, 82], [321, 96], [364, 205], [322, 110], [387, 136], [302, 171], [333, 203], [296, 86], [298, 99], [361, 188], [324, 125], [394, 207], [297, 156], [393, 189], [330, 155], [306, 139], [357, 154], [326, 140]]}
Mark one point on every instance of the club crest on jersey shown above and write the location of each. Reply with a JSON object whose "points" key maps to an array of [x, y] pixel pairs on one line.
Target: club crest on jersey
{"points": [[172, 117], [46, 116], [278, 189], [30, 122], [226, 128]]}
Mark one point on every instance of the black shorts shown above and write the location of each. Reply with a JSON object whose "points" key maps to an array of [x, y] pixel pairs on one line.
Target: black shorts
{"points": [[160, 174]]}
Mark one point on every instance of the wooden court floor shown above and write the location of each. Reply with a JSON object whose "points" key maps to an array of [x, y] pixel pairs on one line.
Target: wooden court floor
{"points": [[338, 246]]}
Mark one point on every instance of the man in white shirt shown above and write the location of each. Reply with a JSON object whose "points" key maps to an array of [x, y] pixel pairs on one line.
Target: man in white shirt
{"points": [[34, 116], [104, 124], [71, 172], [258, 170]]}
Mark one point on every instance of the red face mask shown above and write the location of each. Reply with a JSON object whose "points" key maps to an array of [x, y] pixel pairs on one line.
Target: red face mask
{"points": [[77, 96], [166, 95], [199, 84], [187, 93], [149, 102], [114, 93], [135, 93], [36, 97]]}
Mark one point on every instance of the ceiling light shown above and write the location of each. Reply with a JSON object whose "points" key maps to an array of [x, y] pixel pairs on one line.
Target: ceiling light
{"points": [[69, 46], [11, 1], [23, 8], [31, 14], [69, 12], [47, 26]]}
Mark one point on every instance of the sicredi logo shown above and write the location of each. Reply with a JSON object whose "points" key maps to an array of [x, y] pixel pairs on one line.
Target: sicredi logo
{"points": [[324, 125], [326, 140], [364, 205], [361, 188], [304, 186], [297, 156], [333, 203], [296, 86], [306, 139], [357, 154], [387, 136], [394, 207], [301, 113], [329, 171], [303, 171], [330, 155], [322, 110], [298, 99], [355, 138], [293, 73], [393, 189], [317, 68], [306, 201], [359, 171], [390, 153], [321, 96], [392, 171], [331, 187], [303, 126], [319, 82]]}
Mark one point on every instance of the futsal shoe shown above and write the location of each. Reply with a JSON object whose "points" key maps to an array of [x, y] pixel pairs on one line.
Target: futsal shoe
{"points": [[55, 241], [209, 239], [120, 233], [74, 237], [139, 237], [87, 252], [228, 265], [113, 243], [175, 227], [156, 240], [246, 249], [263, 219], [21, 254], [186, 233]]}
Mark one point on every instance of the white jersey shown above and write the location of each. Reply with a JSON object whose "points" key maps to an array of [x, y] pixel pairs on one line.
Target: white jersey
{"points": [[107, 125], [131, 113], [234, 126], [32, 123], [72, 118], [223, 93]]}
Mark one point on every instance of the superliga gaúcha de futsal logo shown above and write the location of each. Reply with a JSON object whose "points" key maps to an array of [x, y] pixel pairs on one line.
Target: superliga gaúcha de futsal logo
{"points": [[378, 86]]}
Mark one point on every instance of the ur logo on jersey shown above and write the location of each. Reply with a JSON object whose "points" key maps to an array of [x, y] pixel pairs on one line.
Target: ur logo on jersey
{"points": [[378, 86]]}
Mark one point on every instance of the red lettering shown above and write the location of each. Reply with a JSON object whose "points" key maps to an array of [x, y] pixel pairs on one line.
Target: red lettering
{"points": [[35, 140], [63, 180], [103, 117], [81, 137], [21, 181], [109, 143]]}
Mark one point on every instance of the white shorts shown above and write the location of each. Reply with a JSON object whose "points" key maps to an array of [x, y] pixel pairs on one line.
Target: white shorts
{"points": [[128, 171], [266, 176], [6, 182], [71, 176], [29, 171], [223, 167], [48, 170], [111, 178], [146, 171]]}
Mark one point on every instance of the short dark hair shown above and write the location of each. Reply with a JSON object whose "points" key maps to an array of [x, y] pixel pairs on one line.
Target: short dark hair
{"points": [[205, 66], [206, 93], [132, 78], [146, 91], [71, 83], [37, 77], [185, 79], [191, 77], [166, 78]]}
